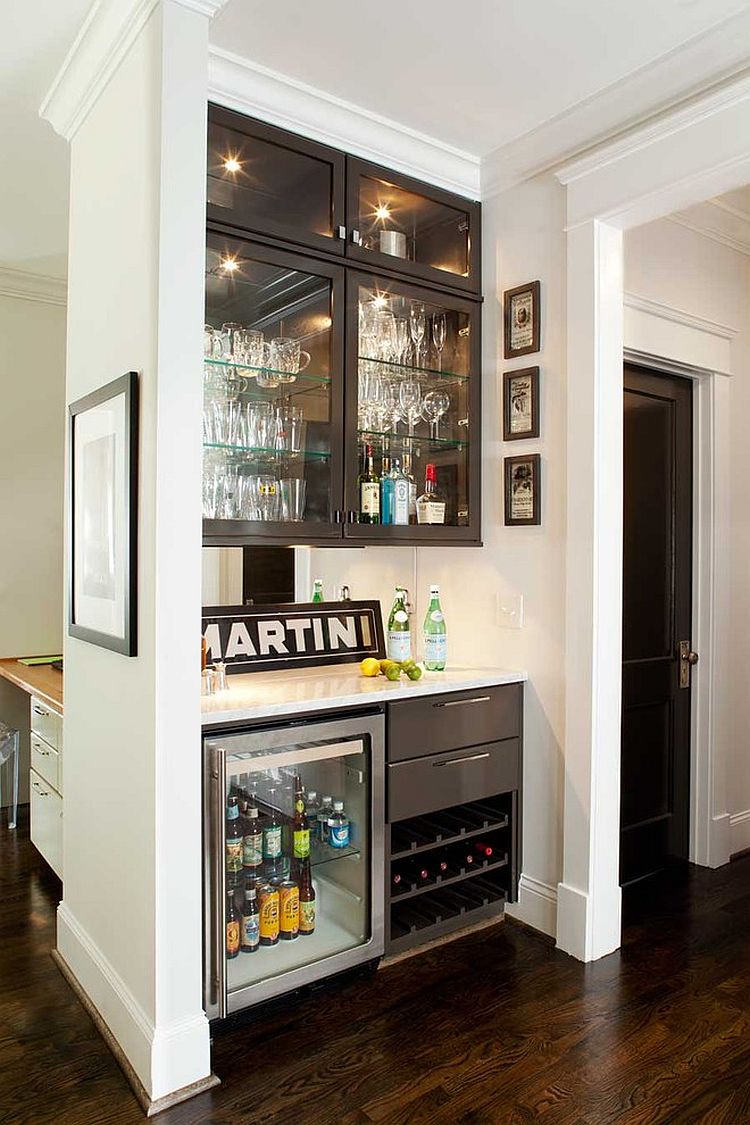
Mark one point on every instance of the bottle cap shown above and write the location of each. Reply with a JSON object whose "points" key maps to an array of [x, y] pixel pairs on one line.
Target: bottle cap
{"points": [[312, 794], [430, 472], [327, 799], [338, 806], [435, 590]]}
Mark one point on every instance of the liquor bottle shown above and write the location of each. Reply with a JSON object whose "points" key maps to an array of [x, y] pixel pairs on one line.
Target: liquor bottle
{"points": [[399, 631], [317, 594], [252, 839], [484, 850], [233, 926], [233, 837], [369, 491], [431, 504], [412, 486], [326, 809], [401, 488], [387, 486], [435, 643], [306, 900], [300, 827], [338, 826], [250, 927], [272, 850]]}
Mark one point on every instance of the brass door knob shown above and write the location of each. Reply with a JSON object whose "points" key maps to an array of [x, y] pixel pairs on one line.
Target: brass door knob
{"points": [[692, 658]]}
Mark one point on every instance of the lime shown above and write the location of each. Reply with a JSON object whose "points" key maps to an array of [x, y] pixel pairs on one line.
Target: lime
{"points": [[385, 664], [393, 672], [414, 673], [370, 666]]}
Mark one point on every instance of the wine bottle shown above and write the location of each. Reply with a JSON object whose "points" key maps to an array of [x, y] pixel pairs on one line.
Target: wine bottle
{"points": [[484, 850]]}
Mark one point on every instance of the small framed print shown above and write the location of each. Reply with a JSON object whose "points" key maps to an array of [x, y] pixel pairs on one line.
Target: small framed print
{"points": [[522, 319], [521, 404], [523, 497], [103, 516]]}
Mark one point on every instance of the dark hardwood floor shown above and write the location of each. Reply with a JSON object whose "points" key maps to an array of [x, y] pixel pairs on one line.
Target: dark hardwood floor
{"points": [[496, 1027]]}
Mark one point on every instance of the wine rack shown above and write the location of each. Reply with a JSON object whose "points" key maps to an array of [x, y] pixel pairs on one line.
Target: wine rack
{"points": [[440, 875]]}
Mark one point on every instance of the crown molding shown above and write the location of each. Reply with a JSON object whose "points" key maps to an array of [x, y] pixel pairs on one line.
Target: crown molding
{"points": [[32, 286], [107, 34], [241, 84], [679, 316], [629, 104], [728, 226]]}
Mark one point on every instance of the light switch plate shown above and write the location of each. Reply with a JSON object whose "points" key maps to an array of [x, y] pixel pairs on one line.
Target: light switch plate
{"points": [[510, 611]]}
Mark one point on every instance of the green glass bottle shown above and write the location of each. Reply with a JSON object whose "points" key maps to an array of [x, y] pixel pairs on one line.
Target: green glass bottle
{"points": [[317, 594], [399, 631], [434, 636]]}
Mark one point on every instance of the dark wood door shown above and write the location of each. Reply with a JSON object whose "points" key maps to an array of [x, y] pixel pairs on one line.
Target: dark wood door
{"points": [[657, 595]]}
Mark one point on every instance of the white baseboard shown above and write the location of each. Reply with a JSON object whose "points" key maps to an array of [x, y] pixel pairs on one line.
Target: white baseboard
{"points": [[739, 832], [164, 1059], [576, 932], [720, 844], [537, 905]]}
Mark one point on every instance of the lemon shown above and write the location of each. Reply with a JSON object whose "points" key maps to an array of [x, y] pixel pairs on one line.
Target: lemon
{"points": [[370, 666]]}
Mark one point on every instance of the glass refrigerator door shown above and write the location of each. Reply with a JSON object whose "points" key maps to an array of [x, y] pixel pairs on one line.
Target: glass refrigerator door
{"points": [[293, 889]]}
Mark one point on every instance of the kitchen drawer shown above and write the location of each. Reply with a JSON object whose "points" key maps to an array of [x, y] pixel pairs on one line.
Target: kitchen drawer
{"points": [[46, 822], [45, 761], [432, 723], [440, 781], [46, 723]]}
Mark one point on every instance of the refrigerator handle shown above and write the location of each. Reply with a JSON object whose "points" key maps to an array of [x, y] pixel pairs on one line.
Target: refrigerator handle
{"points": [[215, 857]]}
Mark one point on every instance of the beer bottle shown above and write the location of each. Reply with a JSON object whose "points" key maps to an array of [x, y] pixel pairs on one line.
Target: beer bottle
{"points": [[272, 831], [306, 899], [250, 931], [233, 837], [300, 828], [252, 840], [233, 926]]}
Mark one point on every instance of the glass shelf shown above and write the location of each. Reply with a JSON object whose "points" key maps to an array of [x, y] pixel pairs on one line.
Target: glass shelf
{"points": [[409, 369], [304, 376], [379, 437], [322, 853], [296, 454]]}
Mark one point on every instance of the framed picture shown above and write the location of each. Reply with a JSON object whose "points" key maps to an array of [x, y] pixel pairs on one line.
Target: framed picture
{"points": [[521, 404], [522, 319], [102, 605], [523, 490]]}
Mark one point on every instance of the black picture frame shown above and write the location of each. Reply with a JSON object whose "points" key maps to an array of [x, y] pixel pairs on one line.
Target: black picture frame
{"points": [[122, 565], [515, 302], [528, 375], [528, 466]]}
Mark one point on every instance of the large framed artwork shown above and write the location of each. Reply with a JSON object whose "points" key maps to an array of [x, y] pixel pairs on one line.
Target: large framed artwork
{"points": [[102, 594]]}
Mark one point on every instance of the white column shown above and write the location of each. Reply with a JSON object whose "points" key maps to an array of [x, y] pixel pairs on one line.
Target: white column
{"points": [[588, 923]]}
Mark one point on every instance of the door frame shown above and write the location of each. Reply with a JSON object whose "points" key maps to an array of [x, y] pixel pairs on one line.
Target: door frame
{"points": [[690, 154]]}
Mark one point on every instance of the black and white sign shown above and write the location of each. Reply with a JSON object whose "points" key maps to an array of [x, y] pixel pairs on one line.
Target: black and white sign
{"points": [[262, 638]]}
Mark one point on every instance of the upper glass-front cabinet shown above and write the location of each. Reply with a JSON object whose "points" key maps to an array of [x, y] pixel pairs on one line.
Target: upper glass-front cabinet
{"points": [[265, 180], [272, 408], [400, 224]]}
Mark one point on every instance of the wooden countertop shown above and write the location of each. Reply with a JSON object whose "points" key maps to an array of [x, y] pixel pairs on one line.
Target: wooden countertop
{"points": [[41, 680]]}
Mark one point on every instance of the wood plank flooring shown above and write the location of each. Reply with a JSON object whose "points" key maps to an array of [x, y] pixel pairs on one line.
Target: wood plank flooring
{"points": [[496, 1027]]}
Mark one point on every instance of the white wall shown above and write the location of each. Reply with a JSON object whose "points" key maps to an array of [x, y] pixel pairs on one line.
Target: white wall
{"points": [[523, 239], [130, 925], [32, 424], [673, 265]]}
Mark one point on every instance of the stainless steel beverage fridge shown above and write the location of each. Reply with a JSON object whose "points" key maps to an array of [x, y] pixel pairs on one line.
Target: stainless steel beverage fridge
{"points": [[293, 856]]}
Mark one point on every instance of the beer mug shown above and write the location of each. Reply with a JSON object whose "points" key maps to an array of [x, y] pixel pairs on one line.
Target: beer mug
{"points": [[287, 358]]}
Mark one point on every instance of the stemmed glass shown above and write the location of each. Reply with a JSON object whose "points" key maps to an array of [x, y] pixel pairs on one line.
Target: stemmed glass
{"points": [[435, 404], [410, 401], [417, 328], [401, 328], [438, 336]]}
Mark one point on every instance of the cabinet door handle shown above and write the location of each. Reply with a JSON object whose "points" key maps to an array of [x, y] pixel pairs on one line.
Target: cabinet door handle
{"points": [[460, 761], [356, 238], [461, 702], [37, 787], [40, 750], [40, 711], [342, 232]]}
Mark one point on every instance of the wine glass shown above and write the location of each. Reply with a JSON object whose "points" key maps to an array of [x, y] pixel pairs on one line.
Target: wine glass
{"points": [[402, 338], [434, 405], [417, 328], [410, 400], [438, 336]]}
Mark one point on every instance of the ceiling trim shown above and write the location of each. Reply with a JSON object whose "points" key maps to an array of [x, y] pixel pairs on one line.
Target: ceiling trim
{"points": [[698, 219], [107, 34], [241, 84], [679, 316], [28, 286]]}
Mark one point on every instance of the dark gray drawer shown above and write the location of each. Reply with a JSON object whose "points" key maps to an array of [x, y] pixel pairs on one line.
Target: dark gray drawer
{"points": [[438, 781], [432, 723]]}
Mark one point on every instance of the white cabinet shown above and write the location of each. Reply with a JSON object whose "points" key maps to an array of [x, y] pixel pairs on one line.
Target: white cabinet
{"points": [[47, 782]]}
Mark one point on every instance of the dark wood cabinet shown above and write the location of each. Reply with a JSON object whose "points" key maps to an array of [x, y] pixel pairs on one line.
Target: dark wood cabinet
{"points": [[356, 343]]}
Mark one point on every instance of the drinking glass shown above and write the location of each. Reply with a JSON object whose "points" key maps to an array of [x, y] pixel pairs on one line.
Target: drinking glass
{"points": [[230, 496], [213, 467], [417, 328], [211, 342], [401, 329], [247, 485], [252, 348], [266, 425], [410, 400], [293, 491], [434, 406], [438, 336], [268, 497], [227, 337], [291, 421]]}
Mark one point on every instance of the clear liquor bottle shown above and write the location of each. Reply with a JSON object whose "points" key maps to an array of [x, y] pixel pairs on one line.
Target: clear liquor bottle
{"points": [[434, 634]]}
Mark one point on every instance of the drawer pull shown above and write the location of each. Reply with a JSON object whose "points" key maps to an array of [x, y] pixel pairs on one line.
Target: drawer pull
{"points": [[40, 711], [460, 702], [459, 761], [37, 787], [39, 750]]}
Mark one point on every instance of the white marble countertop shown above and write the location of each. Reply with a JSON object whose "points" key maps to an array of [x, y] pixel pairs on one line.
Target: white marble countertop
{"points": [[261, 695]]}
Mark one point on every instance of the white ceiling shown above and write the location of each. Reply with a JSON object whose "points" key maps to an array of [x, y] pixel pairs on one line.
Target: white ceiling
{"points": [[35, 36], [476, 75]]}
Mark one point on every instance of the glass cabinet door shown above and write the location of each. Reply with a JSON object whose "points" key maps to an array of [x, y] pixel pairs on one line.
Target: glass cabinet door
{"points": [[410, 227], [413, 402], [272, 461], [265, 180]]}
